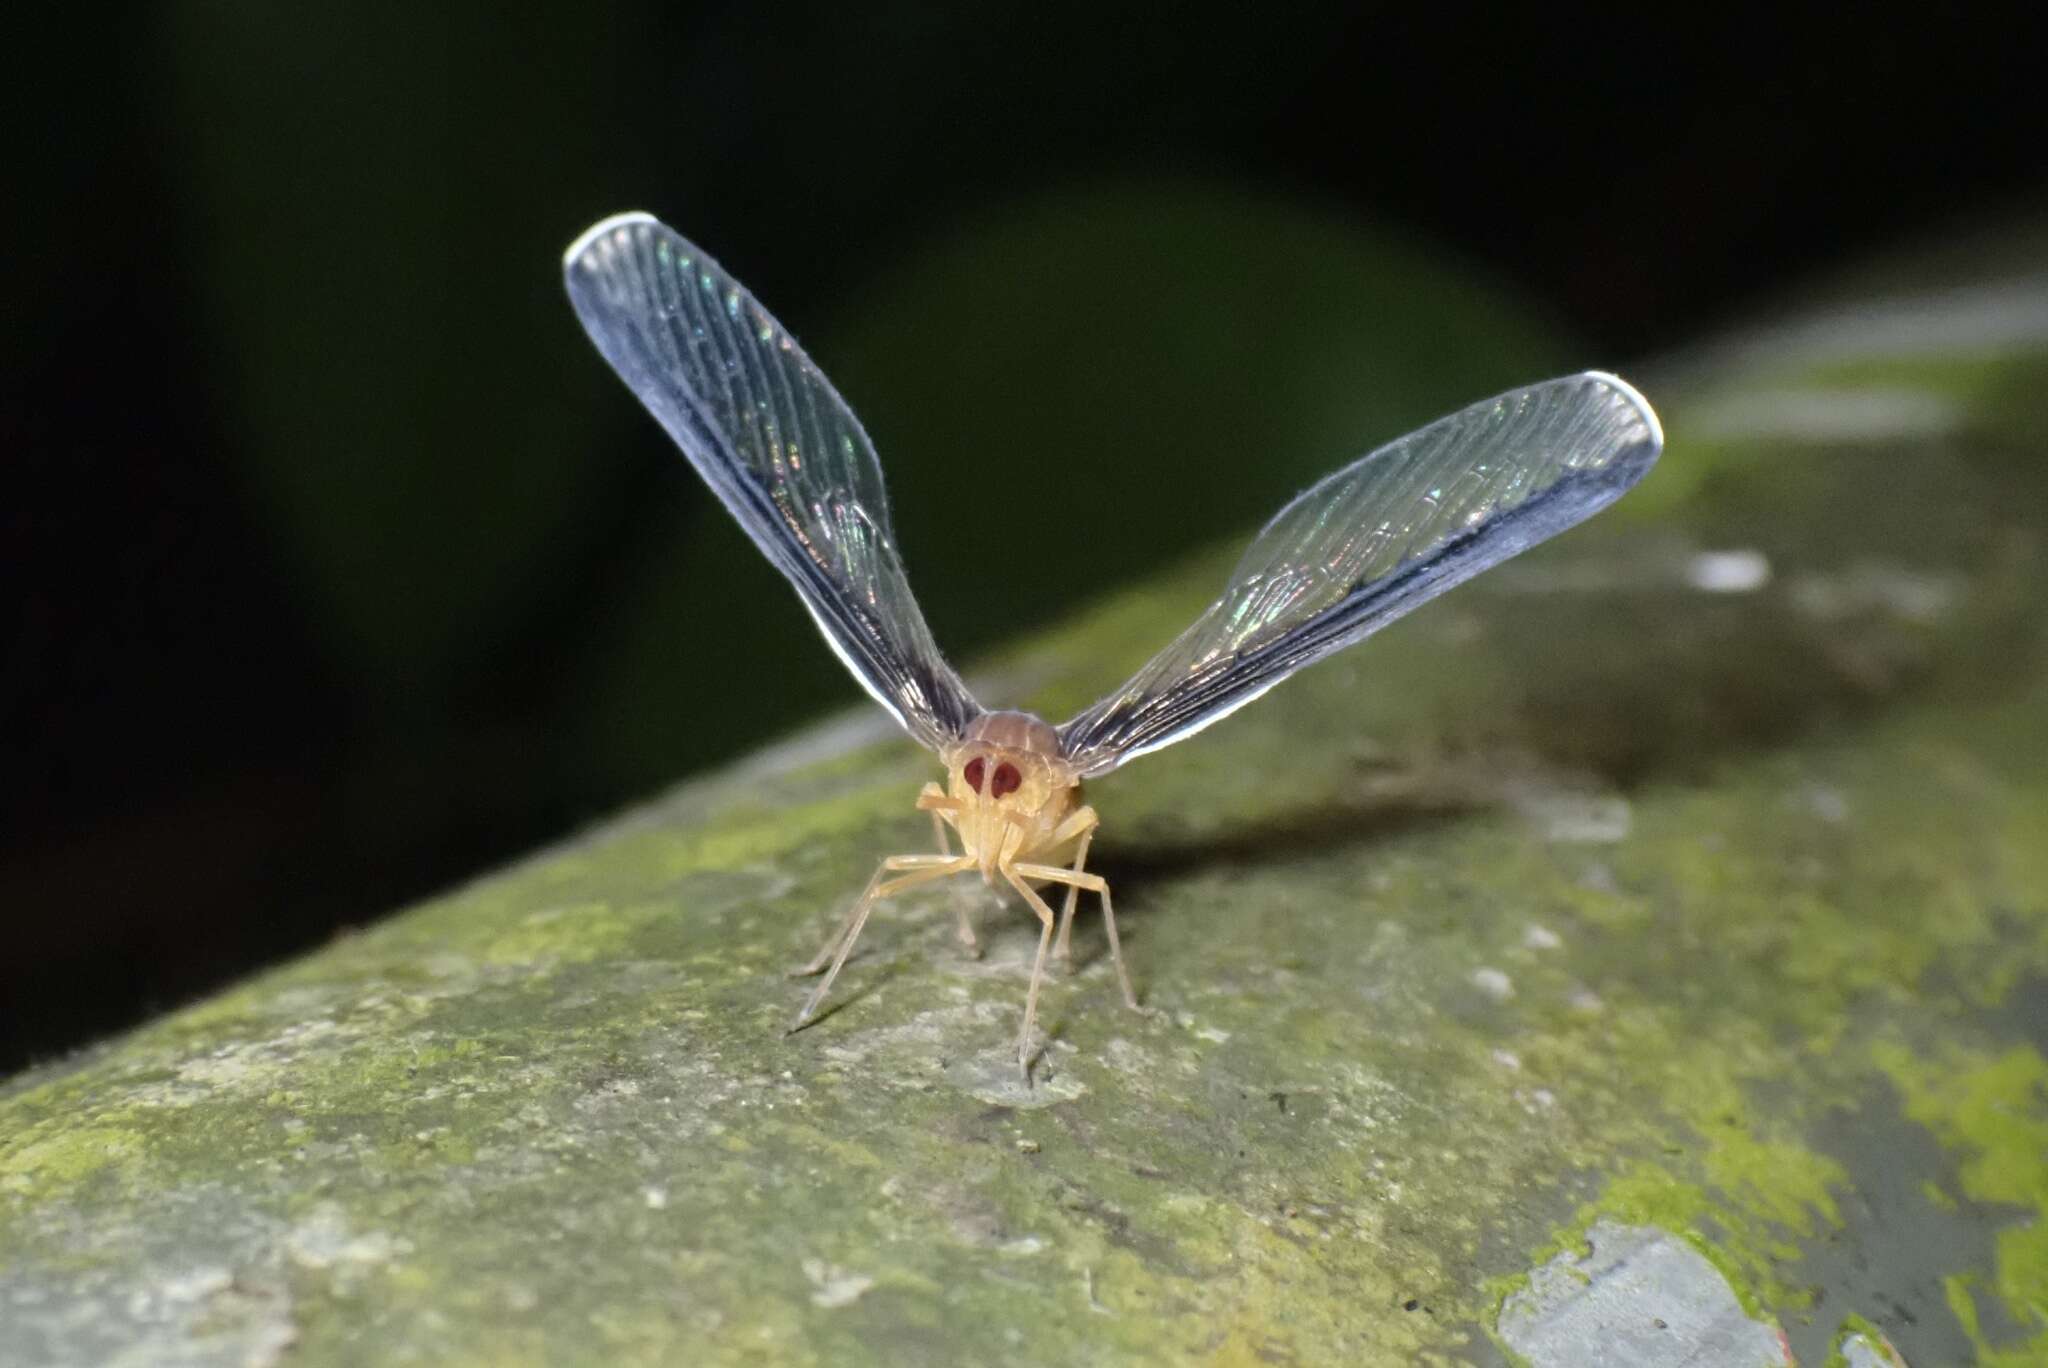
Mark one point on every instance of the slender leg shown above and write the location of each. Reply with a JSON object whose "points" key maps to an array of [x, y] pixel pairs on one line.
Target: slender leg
{"points": [[1082, 824], [816, 964], [932, 799], [1094, 883], [926, 867], [868, 894], [1045, 918], [1064, 949], [935, 801], [965, 932]]}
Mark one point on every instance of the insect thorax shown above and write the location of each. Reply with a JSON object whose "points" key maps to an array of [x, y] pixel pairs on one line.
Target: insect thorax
{"points": [[1018, 731]]}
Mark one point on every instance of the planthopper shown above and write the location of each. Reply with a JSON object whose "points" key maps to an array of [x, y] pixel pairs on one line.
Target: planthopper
{"points": [[1365, 545]]}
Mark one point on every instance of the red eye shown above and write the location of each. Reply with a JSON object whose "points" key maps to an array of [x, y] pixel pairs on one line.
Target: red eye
{"points": [[1006, 781], [974, 771]]}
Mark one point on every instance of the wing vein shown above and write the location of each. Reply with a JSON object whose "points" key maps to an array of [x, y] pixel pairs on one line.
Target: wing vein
{"points": [[1375, 540], [776, 444]]}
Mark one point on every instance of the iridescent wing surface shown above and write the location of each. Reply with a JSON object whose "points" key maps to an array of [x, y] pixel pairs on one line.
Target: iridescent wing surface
{"points": [[1376, 540], [778, 446]]}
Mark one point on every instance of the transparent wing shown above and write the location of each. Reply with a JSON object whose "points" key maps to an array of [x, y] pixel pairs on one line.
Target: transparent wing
{"points": [[1375, 540], [777, 445]]}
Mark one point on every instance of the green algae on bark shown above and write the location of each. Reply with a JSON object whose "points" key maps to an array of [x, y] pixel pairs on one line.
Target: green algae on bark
{"points": [[1598, 892]]}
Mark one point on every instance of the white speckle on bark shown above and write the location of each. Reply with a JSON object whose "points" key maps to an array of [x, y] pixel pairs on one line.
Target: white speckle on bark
{"points": [[196, 1284], [323, 1241], [1827, 803], [834, 1286], [1728, 572], [1567, 815]]}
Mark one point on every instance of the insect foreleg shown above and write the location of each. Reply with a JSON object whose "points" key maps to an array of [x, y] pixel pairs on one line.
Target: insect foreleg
{"points": [[1045, 919], [924, 868], [934, 800]]}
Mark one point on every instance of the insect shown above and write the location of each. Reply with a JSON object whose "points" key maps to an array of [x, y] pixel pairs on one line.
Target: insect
{"points": [[1365, 545]]}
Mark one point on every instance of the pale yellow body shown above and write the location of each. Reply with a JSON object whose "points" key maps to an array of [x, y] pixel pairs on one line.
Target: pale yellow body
{"points": [[1023, 823]]}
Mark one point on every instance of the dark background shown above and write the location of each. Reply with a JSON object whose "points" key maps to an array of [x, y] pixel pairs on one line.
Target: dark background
{"points": [[334, 567]]}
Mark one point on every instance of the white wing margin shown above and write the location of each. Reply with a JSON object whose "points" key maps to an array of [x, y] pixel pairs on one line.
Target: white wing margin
{"points": [[778, 446], [1376, 540]]}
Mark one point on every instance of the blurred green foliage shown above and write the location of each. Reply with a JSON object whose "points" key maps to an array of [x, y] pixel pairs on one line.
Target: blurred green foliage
{"points": [[385, 298]]}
